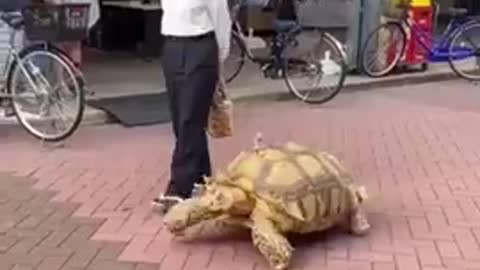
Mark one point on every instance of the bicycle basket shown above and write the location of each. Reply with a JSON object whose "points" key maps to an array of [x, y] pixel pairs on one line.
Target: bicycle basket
{"points": [[56, 23]]}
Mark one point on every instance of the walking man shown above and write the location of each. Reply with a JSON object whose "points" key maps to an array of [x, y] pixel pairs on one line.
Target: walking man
{"points": [[196, 41]]}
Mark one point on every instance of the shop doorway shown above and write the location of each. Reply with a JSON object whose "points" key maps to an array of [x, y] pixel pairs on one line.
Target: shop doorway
{"points": [[121, 56]]}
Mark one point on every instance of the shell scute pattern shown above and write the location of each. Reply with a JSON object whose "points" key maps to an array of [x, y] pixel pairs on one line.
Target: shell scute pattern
{"points": [[305, 185]]}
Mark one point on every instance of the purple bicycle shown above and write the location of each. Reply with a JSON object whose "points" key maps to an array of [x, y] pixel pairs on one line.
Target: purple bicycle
{"points": [[459, 44]]}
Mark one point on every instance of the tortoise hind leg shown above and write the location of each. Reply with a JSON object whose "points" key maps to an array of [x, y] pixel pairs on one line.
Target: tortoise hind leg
{"points": [[270, 242], [358, 222]]}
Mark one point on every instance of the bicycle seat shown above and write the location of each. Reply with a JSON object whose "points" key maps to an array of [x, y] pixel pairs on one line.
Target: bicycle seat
{"points": [[455, 12], [284, 26], [12, 19]]}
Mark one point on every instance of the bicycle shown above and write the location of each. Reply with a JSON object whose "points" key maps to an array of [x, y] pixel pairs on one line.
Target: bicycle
{"points": [[32, 67], [279, 64], [450, 47]]}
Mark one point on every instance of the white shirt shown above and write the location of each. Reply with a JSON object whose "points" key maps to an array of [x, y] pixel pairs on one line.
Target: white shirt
{"points": [[198, 17]]}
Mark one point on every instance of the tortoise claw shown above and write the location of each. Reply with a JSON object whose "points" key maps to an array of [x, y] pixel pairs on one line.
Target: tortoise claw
{"points": [[164, 203]]}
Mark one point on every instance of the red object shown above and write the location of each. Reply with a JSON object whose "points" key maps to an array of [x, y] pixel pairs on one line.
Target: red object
{"points": [[422, 18], [392, 52]]}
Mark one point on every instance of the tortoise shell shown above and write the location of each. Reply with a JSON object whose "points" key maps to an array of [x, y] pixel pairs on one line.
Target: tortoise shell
{"points": [[302, 183]]}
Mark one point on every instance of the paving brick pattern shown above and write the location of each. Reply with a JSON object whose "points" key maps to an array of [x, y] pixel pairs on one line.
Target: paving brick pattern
{"points": [[36, 233], [415, 148]]}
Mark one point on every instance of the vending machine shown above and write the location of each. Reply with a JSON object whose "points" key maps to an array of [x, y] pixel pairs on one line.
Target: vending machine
{"points": [[421, 15]]}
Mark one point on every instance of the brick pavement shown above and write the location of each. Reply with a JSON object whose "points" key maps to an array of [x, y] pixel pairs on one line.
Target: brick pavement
{"points": [[36, 233], [415, 148]]}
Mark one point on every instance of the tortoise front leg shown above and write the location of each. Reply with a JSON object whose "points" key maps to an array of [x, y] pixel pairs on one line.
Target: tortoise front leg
{"points": [[220, 226], [270, 242]]}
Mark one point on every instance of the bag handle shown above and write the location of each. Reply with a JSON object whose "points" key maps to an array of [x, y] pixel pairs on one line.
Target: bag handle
{"points": [[221, 87]]}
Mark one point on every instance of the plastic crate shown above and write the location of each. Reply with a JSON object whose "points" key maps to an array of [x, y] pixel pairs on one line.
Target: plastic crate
{"points": [[423, 20], [56, 23]]}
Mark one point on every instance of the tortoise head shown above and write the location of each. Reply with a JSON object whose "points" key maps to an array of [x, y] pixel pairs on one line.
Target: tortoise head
{"points": [[214, 200], [186, 214]]}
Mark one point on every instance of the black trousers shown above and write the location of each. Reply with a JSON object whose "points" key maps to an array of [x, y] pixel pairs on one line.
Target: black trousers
{"points": [[190, 67]]}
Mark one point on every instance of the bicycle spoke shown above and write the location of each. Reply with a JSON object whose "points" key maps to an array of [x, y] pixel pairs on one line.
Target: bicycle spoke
{"points": [[62, 116], [383, 49]]}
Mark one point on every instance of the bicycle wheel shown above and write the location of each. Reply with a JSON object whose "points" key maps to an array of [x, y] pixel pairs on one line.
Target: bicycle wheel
{"points": [[56, 50], [235, 60], [43, 88], [78, 74], [323, 66], [388, 41], [464, 52]]}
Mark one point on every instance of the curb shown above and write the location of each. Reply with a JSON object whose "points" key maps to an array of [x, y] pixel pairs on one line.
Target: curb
{"points": [[91, 117], [374, 84]]}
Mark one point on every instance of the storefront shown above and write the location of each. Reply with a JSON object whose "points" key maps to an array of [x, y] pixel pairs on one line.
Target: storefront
{"points": [[473, 6], [122, 51], [444, 16], [125, 24], [125, 45], [113, 54]]}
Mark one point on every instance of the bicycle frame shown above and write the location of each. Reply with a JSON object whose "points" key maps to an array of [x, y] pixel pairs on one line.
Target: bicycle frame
{"points": [[274, 57], [436, 47]]}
